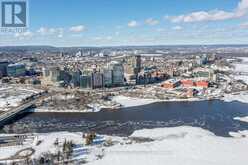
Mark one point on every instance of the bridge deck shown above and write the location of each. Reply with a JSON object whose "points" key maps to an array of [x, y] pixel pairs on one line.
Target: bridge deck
{"points": [[12, 113], [17, 110]]}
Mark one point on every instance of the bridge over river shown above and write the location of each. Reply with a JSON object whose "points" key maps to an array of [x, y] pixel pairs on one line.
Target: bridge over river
{"points": [[14, 112]]}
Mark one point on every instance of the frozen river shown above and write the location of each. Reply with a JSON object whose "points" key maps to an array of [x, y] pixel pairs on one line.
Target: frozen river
{"points": [[215, 116]]}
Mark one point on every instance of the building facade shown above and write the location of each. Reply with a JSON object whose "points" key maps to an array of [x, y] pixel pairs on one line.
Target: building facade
{"points": [[16, 70], [117, 73], [3, 68], [85, 81]]}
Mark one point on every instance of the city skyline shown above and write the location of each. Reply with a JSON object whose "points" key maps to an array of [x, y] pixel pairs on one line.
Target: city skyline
{"points": [[116, 23]]}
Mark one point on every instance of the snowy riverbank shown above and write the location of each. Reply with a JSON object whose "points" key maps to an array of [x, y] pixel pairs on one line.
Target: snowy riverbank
{"points": [[241, 97], [45, 110], [127, 102], [134, 102], [178, 145]]}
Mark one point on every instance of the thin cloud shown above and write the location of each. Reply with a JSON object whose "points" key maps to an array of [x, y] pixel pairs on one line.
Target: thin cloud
{"points": [[24, 35], [177, 28], [50, 31], [133, 24], [213, 15], [77, 29], [151, 21]]}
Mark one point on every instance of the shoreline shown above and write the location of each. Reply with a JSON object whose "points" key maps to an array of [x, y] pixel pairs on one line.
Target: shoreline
{"points": [[139, 100], [130, 102]]}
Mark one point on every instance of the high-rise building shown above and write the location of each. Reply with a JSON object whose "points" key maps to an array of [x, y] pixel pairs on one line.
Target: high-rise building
{"points": [[55, 74], [3, 67], [117, 73], [107, 77], [76, 78], [133, 65], [51, 75], [65, 76], [97, 80], [85, 81], [137, 65]]}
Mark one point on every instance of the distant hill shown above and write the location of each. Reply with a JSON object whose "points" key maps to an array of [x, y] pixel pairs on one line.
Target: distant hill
{"points": [[27, 48]]}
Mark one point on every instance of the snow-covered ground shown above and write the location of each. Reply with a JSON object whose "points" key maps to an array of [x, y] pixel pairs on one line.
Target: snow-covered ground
{"points": [[12, 96], [242, 67], [179, 145], [132, 102], [241, 97], [89, 110]]}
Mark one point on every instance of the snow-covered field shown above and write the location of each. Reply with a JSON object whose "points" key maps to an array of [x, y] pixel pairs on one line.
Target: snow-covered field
{"points": [[179, 145]]}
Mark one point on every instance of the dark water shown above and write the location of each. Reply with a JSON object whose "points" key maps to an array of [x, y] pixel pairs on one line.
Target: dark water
{"points": [[215, 116]]}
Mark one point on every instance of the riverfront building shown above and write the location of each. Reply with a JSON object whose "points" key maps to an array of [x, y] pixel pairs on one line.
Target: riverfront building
{"points": [[107, 77], [75, 81], [204, 74], [133, 65], [16, 70], [3, 68], [97, 80], [113, 74], [170, 84], [51, 75], [85, 81], [117, 73]]}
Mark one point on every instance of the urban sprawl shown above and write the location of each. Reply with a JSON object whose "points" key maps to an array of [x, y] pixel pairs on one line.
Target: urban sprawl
{"points": [[88, 79]]}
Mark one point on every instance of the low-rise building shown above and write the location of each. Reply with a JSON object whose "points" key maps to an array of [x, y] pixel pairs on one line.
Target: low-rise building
{"points": [[187, 83], [204, 74], [16, 70], [170, 84], [202, 84]]}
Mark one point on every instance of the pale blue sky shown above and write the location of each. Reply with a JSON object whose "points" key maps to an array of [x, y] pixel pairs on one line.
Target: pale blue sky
{"points": [[133, 22]]}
